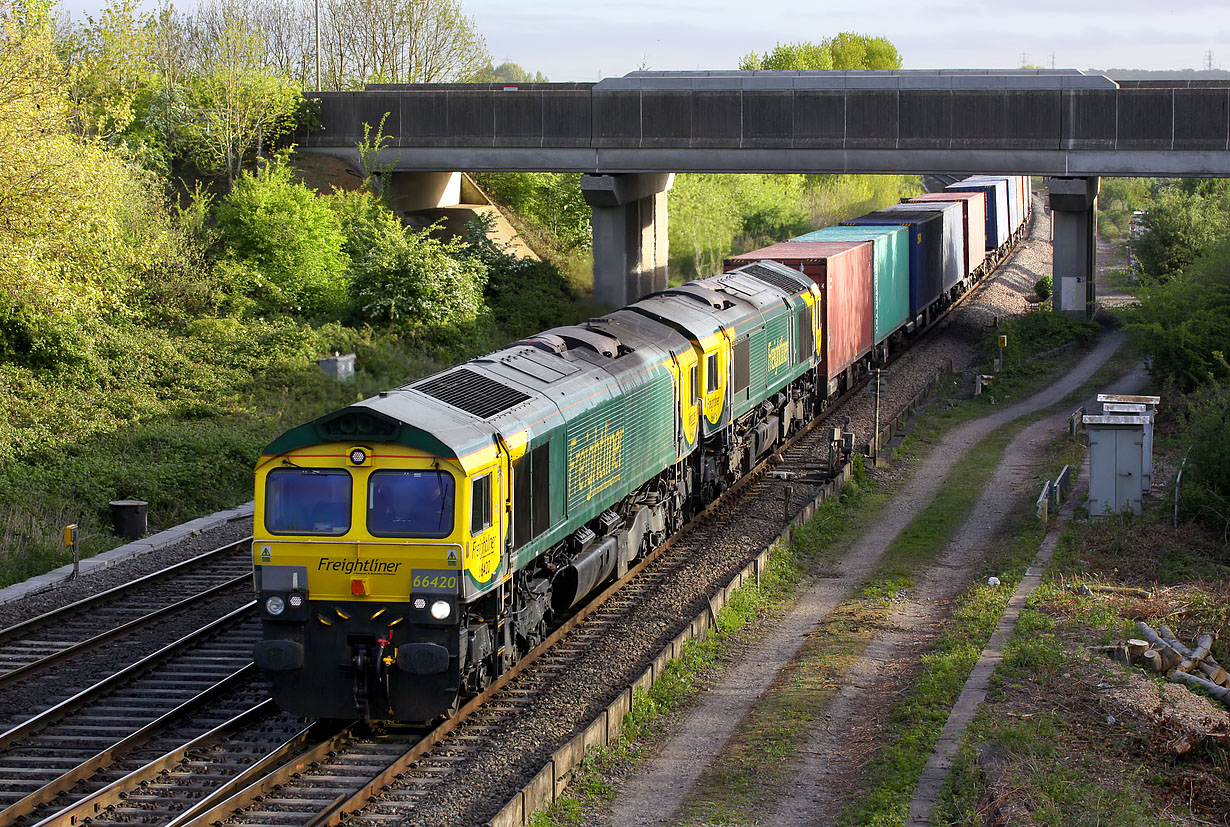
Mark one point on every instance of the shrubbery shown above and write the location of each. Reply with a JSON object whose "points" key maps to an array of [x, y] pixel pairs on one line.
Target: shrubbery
{"points": [[714, 216], [1206, 476], [1183, 325], [1181, 221], [287, 243]]}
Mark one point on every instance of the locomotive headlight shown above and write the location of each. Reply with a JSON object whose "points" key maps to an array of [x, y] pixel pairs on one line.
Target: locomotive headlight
{"points": [[275, 605], [420, 603], [441, 609], [296, 600]]}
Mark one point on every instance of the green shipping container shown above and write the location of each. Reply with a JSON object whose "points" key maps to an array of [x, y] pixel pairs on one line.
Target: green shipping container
{"points": [[891, 268]]}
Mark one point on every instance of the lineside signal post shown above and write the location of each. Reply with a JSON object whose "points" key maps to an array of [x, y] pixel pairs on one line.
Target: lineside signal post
{"points": [[70, 540]]}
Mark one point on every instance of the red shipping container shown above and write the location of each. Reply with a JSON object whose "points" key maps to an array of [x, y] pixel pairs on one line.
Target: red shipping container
{"points": [[843, 270], [974, 211]]}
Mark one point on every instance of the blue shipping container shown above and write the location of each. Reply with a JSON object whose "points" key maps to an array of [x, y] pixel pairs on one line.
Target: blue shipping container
{"points": [[1011, 196], [996, 194], [926, 249], [954, 235]]}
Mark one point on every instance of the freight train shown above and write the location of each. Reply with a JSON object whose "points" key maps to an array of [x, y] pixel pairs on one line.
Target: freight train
{"points": [[411, 547]]}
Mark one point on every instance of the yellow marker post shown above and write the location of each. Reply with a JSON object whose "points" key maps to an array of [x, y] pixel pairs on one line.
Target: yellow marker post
{"points": [[70, 540], [1003, 343]]}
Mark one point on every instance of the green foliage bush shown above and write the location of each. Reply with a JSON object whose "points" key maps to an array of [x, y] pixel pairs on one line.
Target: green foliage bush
{"points": [[1182, 220], [402, 278], [1205, 490], [1043, 287], [1035, 333], [288, 243], [1183, 324]]}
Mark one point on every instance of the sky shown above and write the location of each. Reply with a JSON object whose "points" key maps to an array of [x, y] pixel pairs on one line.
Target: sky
{"points": [[582, 40]]}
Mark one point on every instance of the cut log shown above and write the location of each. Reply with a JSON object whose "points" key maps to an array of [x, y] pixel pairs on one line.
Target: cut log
{"points": [[1163, 659], [1136, 647], [1150, 635], [1209, 666], [1130, 591], [1221, 693], [1203, 645]]}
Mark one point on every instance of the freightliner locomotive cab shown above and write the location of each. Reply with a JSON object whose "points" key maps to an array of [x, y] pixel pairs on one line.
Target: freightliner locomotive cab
{"points": [[367, 534]]}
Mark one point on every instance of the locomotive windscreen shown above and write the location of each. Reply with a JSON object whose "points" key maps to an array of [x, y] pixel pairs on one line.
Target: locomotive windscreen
{"points": [[410, 504], [307, 501]]}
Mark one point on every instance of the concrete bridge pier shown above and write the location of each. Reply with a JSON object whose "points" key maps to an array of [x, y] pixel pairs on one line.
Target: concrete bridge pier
{"points": [[629, 226], [1074, 214]]}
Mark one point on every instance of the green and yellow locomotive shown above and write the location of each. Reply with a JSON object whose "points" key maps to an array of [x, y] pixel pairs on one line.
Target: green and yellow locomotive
{"points": [[411, 547]]}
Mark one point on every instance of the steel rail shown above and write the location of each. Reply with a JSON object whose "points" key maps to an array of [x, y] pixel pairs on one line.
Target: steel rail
{"points": [[42, 664], [337, 812], [344, 806], [85, 769], [102, 598], [116, 792], [63, 708]]}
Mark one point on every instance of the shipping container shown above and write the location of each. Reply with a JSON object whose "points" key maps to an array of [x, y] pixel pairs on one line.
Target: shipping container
{"points": [[1027, 193], [926, 251], [843, 270], [973, 211], [1013, 194], [996, 195], [891, 266], [954, 237]]}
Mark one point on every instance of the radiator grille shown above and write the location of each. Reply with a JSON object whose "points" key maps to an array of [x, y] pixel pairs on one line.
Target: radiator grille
{"points": [[770, 276], [472, 392]]}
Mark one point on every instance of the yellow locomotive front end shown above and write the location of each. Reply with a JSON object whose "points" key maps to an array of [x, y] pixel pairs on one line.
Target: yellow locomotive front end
{"points": [[359, 555]]}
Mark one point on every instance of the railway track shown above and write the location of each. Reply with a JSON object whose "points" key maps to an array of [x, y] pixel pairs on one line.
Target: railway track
{"points": [[30, 648], [255, 766], [165, 695]]}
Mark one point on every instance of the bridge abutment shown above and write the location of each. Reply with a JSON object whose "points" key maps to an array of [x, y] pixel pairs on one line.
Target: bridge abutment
{"points": [[630, 234], [1074, 214]]}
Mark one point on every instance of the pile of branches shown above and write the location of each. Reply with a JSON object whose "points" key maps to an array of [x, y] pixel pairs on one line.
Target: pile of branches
{"points": [[1162, 652]]}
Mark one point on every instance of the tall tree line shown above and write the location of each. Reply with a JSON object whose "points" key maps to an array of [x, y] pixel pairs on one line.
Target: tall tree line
{"points": [[212, 84]]}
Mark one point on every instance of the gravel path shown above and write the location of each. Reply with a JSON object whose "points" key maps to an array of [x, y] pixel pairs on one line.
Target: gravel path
{"points": [[1031, 442], [835, 754]]}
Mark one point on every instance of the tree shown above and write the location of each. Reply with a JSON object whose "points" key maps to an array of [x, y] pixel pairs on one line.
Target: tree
{"points": [[509, 72], [845, 51], [236, 102], [399, 41], [1183, 324], [79, 227], [1182, 221], [290, 239]]}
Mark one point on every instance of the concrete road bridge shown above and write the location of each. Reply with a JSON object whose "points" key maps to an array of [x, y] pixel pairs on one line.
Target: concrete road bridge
{"points": [[629, 135]]}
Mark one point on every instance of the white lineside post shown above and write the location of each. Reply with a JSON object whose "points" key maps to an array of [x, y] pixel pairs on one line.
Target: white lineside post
{"points": [[875, 438], [318, 45]]}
